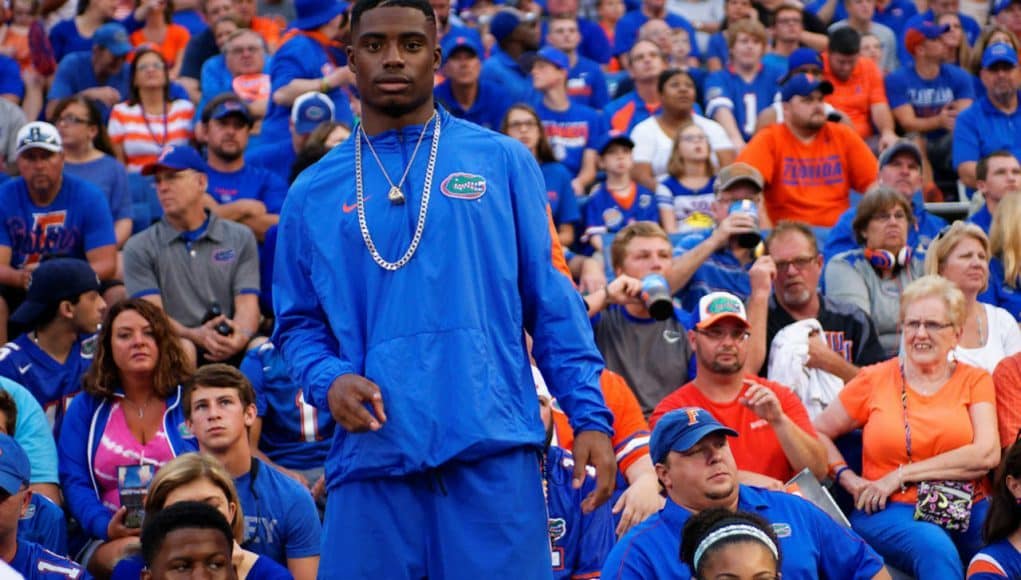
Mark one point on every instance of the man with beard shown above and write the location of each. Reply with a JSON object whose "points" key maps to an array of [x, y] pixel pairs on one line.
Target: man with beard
{"points": [[44, 214], [375, 298], [463, 92], [849, 341], [810, 166], [989, 123], [696, 466], [237, 191], [777, 437]]}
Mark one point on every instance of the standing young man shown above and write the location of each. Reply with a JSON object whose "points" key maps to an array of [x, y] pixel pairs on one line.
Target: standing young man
{"points": [[432, 389]]}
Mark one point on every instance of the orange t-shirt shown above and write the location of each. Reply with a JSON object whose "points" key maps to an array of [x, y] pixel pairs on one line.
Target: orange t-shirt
{"points": [[270, 29], [173, 43], [810, 182], [1007, 382], [939, 423], [855, 96], [630, 431], [757, 448]]}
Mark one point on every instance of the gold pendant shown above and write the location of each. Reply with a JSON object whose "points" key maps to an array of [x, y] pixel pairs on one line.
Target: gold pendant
{"points": [[395, 196]]}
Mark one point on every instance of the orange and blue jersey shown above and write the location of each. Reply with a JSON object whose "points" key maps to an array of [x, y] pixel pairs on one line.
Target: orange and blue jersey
{"points": [[624, 112], [483, 273], [608, 213], [77, 221], [997, 561], [579, 541]]}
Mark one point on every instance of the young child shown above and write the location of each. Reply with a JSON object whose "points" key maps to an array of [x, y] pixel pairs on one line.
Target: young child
{"points": [[685, 194], [617, 201]]}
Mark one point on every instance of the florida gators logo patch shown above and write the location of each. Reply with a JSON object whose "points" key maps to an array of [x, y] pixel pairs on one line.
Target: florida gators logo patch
{"points": [[463, 186]]}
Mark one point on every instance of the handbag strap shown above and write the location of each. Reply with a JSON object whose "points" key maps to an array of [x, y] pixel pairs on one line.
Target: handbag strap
{"points": [[904, 406]]}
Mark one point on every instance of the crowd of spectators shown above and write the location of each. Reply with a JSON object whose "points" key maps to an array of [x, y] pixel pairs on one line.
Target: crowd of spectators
{"points": [[781, 173]]}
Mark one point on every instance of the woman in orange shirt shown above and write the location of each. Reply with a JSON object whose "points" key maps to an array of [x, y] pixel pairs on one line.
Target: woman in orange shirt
{"points": [[927, 419], [162, 34]]}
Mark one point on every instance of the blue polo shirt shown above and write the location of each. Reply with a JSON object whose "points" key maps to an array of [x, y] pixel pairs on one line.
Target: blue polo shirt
{"points": [[813, 544], [999, 293], [626, 32], [721, 272], [500, 69], [982, 128], [490, 106], [927, 225]]}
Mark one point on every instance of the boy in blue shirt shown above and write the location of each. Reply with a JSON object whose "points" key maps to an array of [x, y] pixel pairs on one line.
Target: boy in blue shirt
{"points": [[281, 521], [619, 200]]}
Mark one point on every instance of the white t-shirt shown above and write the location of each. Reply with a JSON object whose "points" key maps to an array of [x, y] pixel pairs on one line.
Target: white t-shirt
{"points": [[1004, 340], [653, 146]]}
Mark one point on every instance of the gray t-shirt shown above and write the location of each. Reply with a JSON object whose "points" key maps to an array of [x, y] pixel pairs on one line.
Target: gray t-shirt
{"points": [[851, 278], [12, 119], [220, 263], [652, 355]]}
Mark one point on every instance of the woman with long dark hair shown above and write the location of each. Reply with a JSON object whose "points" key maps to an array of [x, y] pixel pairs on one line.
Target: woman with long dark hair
{"points": [[1001, 557], [129, 413]]}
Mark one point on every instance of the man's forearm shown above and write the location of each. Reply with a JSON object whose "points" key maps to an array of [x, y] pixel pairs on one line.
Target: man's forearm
{"points": [[802, 450]]}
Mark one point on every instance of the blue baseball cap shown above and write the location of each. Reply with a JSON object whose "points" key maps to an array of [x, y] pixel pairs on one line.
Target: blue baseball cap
{"points": [[15, 470], [802, 85], [113, 37], [615, 138], [554, 56], [177, 158], [1003, 5], [997, 53], [452, 43], [680, 429], [54, 280], [310, 110], [312, 14], [225, 107], [801, 57], [923, 31], [505, 21]]}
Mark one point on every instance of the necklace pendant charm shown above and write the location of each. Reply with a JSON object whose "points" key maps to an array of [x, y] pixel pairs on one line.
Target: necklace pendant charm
{"points": [[395, 196]]}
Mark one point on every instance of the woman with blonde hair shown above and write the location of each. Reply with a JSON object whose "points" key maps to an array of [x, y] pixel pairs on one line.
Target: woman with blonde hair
{"points": [[200, 477], [929, 438], [685, 194], [1005, 264], [960, 254]]}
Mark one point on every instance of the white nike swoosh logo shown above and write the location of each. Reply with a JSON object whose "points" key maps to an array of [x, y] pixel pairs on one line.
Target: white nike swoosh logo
{"points": [[25, 368], [672, 336]]}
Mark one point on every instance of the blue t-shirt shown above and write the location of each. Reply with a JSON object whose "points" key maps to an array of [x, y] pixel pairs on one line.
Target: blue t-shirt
{"points": [[10, 77], [281, 520], [111, 178], [726, 89], [302, 58], [490, 106], [44, 524], [982, 129], [586, 84], [927, 97], [294, 434], [52, 383], [997, 561], [506, 72], [580, 541], [605, 215], [813, 544], [249, 182], [78, 220], [33, 433], [721, 272], [276, 157], [65, 39], [560, 193], [571, 132], [626, 32], [35, 562], [999, 293], [718, 48]]}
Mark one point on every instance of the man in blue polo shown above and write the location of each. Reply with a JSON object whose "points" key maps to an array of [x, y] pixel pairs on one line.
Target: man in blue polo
{"points": [[463, 92], [990, 123], [695, 465]]}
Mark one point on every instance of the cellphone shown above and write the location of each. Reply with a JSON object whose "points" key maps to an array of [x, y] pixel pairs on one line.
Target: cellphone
{"points": [[133, 485]]}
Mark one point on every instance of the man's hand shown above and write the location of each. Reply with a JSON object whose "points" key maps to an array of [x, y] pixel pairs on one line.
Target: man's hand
{"points": [[948, 116], [732, 225], [638, 502], [348, 396], [216, 346], [887, 139], [590, 448], [761, 276], [763, 402], [107, 95], [624, 290], [819, 353]]}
